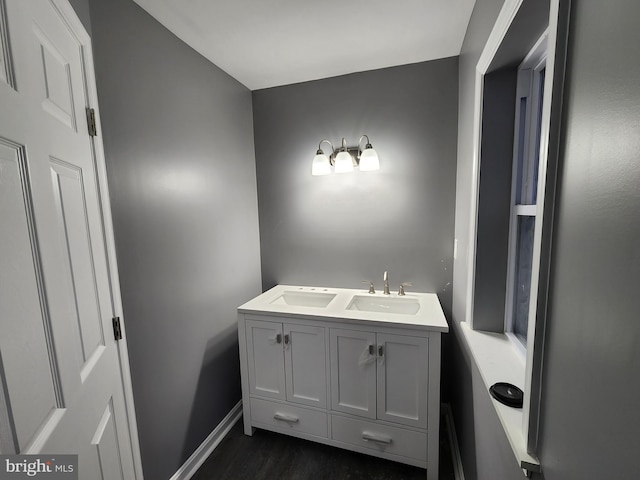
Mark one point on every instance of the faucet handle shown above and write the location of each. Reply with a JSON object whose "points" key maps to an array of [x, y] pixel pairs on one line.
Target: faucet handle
{"points": [[371, 287], [402, 285]]}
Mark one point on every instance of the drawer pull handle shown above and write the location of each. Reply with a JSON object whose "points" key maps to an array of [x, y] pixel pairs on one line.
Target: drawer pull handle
{"points": [[286, 418], [376, 437]]}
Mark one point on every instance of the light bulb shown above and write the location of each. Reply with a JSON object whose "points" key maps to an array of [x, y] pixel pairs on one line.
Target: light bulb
{"points": [[369, 160], [344, 162], [320, 165]]}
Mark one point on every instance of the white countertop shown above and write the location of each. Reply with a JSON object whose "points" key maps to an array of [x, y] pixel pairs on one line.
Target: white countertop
{"points": [[428, 317]]}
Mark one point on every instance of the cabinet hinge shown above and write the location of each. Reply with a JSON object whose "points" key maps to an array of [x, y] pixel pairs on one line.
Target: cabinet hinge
{"points": [[117, 331], [91, 122]]}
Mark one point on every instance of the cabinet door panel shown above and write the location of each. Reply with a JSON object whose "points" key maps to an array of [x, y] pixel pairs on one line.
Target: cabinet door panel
{"points": [[402, 379], [266, 359], [305, 365], [353, 372]]}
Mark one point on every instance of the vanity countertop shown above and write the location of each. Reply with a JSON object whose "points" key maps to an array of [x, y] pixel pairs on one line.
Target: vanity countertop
{"points": [[413, 311]]}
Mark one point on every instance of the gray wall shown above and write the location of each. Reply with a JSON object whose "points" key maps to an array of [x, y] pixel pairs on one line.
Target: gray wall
{"points": [[82, 10], [179, 148], [339, 229], [484, 448], [482, 19], [590, 392], [494, 199]]}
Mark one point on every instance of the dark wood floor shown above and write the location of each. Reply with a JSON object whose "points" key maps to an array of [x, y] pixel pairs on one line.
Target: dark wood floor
{"points": [[271, 456]]}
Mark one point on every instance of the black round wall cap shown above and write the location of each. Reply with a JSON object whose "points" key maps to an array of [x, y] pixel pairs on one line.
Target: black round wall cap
{"points": [[507, 394]]}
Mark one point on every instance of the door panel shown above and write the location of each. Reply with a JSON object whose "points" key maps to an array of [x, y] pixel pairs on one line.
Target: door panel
{"points": [[48, 62], [56, 77], [25, 339], [266, 359], [71, 207], [6, 67], [60, 366], [305, 365], [353, 372], [105, 442], [402, 379]]}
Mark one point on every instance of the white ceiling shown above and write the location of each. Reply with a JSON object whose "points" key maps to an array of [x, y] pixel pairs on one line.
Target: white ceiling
{"points": [[265, 43]]}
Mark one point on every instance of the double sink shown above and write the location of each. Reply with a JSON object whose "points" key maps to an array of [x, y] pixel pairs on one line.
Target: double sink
{"points": [[412, 310], [403, 305]]}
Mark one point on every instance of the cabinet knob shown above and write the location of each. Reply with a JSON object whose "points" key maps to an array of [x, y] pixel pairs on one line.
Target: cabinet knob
{"points": [[286, 339], [371, 350], [279, 338], [380, 351]]}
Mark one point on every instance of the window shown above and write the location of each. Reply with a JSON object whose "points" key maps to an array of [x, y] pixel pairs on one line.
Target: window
{"points": [[513, 171], [522, 262]]}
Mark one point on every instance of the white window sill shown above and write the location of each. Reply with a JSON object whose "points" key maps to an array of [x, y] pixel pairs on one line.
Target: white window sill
{"points": [[499, 361]]}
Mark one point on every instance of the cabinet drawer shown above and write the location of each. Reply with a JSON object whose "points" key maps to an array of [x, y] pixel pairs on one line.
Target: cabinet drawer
{"points": [[380, 438], [283, 416]]}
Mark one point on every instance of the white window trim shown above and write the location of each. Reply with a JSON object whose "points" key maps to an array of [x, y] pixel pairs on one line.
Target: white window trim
{"points": [[485, 348], [518, 433], [528, 87]]}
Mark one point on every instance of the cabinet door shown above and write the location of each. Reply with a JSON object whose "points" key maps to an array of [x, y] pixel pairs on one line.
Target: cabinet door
{"points": [[353, 372], [305, 364], [266, 359], [403, 371]]}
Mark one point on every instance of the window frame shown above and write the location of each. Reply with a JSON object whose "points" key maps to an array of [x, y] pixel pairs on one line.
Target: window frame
{"points": [[522, 434], [529, 88]]}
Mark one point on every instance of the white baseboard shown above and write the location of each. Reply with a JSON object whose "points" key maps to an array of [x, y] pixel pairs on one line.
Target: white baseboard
{"points": [[453, 442], [197, 458]]}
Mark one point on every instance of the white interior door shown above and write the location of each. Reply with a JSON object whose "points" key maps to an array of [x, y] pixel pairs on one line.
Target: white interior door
{"points": [[63, 388]]}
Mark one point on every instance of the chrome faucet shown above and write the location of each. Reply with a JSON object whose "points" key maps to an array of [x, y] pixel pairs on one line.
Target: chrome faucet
{"points": [[386, 283], [402, 285], [371, 287]]}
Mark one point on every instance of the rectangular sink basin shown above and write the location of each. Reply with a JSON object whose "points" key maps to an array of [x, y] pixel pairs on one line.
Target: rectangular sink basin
{"points": [[395, 305], [304, 299]]}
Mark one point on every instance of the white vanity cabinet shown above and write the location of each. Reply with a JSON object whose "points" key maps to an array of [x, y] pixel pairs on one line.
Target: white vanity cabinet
{"points": [[380, 375], [287, 361], [368, 382]]}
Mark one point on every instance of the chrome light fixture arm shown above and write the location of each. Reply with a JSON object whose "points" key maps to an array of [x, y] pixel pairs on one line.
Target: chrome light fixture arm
{"points": [[321, 152], [367, 145]]}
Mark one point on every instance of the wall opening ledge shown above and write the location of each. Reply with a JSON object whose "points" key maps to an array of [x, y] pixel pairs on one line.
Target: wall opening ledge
{"points": [[498, 361]]}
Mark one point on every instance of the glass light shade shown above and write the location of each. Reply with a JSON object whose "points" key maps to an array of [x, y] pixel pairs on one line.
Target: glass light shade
{"points": [[344, 162], [320, 165], [369, 160]]}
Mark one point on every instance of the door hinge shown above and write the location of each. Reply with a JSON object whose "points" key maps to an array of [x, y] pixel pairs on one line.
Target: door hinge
{"points": [[117, 331], [91, 122]]}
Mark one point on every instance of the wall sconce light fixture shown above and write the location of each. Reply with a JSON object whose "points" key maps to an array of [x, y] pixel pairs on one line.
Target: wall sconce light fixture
{"points": [[345, 159]]}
